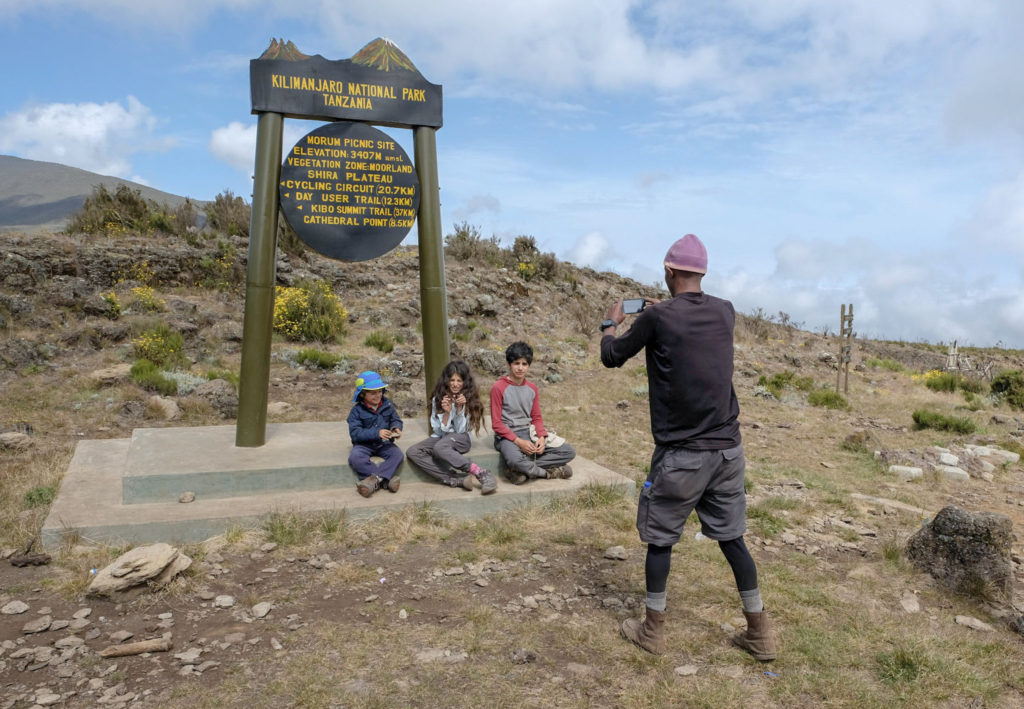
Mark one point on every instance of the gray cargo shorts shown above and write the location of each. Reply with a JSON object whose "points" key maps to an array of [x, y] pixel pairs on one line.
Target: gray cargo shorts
{"points": [[683, 480]]}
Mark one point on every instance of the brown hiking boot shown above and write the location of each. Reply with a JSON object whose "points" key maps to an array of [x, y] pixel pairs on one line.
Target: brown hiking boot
{"points": [[648, 634], [560, 472], [514, 477], [470, 482], [394, 483], [488, 483], [368, 485], [757, 638]]}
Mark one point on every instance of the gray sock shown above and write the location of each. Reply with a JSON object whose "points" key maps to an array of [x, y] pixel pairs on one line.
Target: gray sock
{"points": [[656, 601], [752, 600]]}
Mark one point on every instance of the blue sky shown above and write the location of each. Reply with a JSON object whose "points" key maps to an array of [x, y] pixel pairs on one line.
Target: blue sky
{"points": [[826, 152]]}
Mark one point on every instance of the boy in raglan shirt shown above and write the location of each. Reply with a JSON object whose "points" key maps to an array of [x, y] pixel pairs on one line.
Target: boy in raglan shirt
{"points": [[515, 405]]}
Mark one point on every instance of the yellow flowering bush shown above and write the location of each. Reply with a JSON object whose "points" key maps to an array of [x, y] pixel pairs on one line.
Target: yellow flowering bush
{"points": [[147, 300], [160, 345], [309, 311]]}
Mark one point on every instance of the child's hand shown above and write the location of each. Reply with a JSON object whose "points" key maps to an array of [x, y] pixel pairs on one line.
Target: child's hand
{"points": [[460, 400], [526, 446], [541, 444], [396, 433], [385, 434], [446, 404]]}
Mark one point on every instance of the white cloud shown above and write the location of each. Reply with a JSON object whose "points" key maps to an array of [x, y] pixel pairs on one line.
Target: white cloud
{"points": [[591, 250], [235, 143], [96, 137]]}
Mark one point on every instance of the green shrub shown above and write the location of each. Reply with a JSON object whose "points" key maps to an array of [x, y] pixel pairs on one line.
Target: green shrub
{"points": [[1009, 387], [125, 211], [40, 496], [890, 364], [941, 381], [828, 398], [380, 340], [972, 386], [941, 422], [224, 374], [228, 214], [785, 380], [528, 261], [113, 305], [310, 311], [160, 345], [466, 244], [147, 301], [318, 359], [148, 376], [222, 270]]}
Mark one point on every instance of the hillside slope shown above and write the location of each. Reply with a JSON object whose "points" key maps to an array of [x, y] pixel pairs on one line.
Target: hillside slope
{"points": [[38, 197], [518, 609]]}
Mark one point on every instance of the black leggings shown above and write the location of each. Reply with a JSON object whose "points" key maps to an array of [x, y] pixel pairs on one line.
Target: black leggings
{"points": [[659, 561]]}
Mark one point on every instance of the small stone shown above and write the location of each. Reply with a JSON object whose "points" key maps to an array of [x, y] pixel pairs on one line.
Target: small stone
{"points": [[482, 582], [38, 625], [268, 547], [686, 670], [82, 613], [120, 636], [454, 571], [973, 623], [47, 699], [186, 497], [260, 610], [206, 595], [276, 644], [910, 603], [14, 608], [523, 656], [223, 601], [403, 614], [618, 553]]}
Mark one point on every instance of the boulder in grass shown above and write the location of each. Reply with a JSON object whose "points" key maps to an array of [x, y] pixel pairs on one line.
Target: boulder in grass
{"points": [[968, 552], [135, 568]]}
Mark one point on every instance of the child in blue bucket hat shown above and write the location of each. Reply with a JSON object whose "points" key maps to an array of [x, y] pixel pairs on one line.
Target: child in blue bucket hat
{"points": [[374, 426]]}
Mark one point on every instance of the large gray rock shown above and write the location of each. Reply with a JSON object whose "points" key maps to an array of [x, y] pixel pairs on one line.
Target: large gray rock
{"points": [[221, 395], [968, 552], [137, 567]]}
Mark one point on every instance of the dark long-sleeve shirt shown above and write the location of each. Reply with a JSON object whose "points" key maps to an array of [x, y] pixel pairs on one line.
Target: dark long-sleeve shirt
{"points": [[689, 349]]}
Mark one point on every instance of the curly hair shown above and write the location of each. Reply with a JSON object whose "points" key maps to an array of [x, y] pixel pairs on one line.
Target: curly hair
{"points": [[474, 408]]}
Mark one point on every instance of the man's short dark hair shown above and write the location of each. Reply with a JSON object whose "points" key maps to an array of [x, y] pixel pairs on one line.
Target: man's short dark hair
{"points": [[517, 350]]}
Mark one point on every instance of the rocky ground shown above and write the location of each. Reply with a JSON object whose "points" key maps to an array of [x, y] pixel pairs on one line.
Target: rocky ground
{"points": [[531, 601]]}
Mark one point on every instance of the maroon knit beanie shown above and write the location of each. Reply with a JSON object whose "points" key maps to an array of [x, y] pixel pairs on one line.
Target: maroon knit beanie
{"points": [[687, 254]]}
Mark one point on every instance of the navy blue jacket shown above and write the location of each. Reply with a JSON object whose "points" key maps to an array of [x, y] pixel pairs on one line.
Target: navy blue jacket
{"points": [[364, 425]]}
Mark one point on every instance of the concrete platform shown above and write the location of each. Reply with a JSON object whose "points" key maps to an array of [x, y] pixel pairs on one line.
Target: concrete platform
{"points": [[126, 491]]}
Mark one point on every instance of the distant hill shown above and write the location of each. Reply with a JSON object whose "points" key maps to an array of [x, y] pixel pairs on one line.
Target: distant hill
{"points": [[39, 196]]}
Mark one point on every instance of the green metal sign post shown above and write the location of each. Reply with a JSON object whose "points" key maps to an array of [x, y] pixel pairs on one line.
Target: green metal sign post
{"points": [[378, 85]]}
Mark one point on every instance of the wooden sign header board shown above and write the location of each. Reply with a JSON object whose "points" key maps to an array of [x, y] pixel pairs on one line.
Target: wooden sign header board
{"points": [[349, 191], [379, 85]]}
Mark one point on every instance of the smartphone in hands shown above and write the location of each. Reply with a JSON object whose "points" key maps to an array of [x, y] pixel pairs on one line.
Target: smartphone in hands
{"points": [[631, 306]]}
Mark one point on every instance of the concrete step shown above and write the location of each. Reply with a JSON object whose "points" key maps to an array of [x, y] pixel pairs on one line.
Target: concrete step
{"points": [[301, 469]]}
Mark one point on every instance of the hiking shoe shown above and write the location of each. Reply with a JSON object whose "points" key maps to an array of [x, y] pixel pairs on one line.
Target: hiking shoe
{"points": [[393, 484], [368, 485], [560, 472], [514, 477], [470, 482], [488, 483]]}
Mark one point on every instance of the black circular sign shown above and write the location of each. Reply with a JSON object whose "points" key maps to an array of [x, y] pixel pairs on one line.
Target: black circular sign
{"points": [[349, 191]]}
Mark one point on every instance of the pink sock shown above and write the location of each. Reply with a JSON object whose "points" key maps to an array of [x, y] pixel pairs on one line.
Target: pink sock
{"points": [[474, 469]]}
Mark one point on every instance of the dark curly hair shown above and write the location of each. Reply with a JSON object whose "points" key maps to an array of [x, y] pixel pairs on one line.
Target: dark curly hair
{"points": [[474, 408], [517, 350]]}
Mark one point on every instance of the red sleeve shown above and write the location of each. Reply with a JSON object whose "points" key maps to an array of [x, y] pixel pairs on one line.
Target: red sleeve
{"points": [[535, 418], [497, 393]]}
